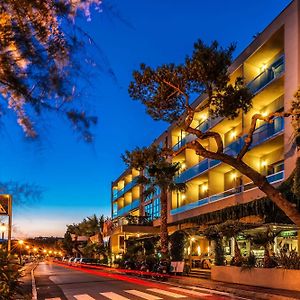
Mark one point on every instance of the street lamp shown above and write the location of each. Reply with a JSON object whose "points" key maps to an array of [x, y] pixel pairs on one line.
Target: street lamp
{"points": [[20, 242]]}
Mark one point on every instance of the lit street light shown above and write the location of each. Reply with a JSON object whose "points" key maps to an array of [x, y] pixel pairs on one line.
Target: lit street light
{"points": [[20, 242]]}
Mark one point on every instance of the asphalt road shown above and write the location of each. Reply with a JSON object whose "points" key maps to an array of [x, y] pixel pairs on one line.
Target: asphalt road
{"points": [[58, 282]]}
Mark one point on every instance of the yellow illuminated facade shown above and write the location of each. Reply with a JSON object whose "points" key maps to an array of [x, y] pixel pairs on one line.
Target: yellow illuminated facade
{"points": [[270, 66]]}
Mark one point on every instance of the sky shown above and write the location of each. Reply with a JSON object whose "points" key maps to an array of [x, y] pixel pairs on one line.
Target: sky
{"points": [[76, 177]]}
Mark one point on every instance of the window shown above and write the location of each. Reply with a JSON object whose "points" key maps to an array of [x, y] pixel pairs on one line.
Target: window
{"points": [[152, 210], [115, 209], [156, 208]]}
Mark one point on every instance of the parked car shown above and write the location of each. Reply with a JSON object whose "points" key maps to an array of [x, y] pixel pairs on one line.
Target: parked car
{"points": [[71, 260], [88, 261], [76, 260]]}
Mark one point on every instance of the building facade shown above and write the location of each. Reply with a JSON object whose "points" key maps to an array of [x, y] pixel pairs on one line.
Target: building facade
{"points": [[270, 66]]}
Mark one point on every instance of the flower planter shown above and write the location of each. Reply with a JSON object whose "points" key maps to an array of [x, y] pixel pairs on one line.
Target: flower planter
{"points": [[270, 278]]}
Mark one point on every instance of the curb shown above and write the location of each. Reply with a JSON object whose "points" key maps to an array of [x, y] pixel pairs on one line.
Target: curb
{"points": [[33, 284]]}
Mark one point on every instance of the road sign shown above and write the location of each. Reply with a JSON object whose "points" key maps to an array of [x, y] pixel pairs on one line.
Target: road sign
{"points": [[4, 205]]}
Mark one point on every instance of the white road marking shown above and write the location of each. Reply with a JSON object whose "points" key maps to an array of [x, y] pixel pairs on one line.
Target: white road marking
{"points": [[194, 293], [114, 296], [209, 290], [166, 293], [142, 295], [83, 297]]}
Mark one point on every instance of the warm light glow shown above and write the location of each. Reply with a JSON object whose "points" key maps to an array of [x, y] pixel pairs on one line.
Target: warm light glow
{"points": [[233, 134], [264, 67], [27, 247], [55, 252], [192, 239], [264, 114], [2, 227], [20, 242], [233, 176], [183, 166], [183, 196], [208, 249], [44, 250], [203, 117], [189, 250], [204, 188], [264, 163], [34, 249], [50, 251], [199, 250]]}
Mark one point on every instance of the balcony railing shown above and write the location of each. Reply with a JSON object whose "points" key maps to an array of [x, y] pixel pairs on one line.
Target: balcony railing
{"points": [[135, 220], [204, 126], [193, 171], [126, 209], [267, 76], [261, 134], [273, 178], [274, 71], [267, 131], [125, 189]]}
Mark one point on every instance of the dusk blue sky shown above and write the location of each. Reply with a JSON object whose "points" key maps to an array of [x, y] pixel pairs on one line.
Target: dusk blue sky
{"points": [[76, 177]]}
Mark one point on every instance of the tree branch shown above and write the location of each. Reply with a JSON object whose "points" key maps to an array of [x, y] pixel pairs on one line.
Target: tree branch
{"points": [[249, 138]]}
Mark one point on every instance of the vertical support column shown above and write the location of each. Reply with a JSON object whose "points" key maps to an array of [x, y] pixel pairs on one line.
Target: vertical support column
{"points": [[298, 238], [9, 224], [232, 247], [291, 78]]}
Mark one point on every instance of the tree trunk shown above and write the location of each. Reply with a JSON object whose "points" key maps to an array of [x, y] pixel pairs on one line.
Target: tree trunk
{"points": [[258, 179], [237, 253], [164, 222]]}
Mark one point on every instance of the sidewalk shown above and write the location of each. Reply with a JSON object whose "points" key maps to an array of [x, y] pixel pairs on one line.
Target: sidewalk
{"points": [[26, 279], [252, 292]]}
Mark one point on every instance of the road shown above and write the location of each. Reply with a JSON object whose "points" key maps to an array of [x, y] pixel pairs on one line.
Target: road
{"points": [[59, 282]]}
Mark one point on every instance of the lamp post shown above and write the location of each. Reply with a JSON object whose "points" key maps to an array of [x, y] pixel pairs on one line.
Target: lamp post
{"points": [[20, 242]]}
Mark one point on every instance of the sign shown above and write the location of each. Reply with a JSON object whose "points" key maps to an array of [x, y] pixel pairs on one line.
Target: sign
{"points": [[177, 266], [288, 233], [4, 205]]}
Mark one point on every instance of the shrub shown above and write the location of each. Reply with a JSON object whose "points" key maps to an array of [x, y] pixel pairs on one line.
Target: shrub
{"points": [[289, 261], [249, 262], [10, 275]]}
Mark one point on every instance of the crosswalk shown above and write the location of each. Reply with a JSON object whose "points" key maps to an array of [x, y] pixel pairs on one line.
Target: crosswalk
{"points": [[148, 294]]}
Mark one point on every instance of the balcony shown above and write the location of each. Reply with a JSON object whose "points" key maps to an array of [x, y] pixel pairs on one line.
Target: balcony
{"points": [[125, 189], [274, 71], [267, 131], [128, 208], [193, 171], [273, 178], [261, 134], [204, 126]]}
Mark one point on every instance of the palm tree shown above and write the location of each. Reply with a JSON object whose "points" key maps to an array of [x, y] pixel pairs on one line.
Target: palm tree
{"points": [[160, 174], [93, 225]]}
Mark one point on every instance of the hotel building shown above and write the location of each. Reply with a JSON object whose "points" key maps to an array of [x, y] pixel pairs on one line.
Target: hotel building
{"points": [[270, 66]]}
